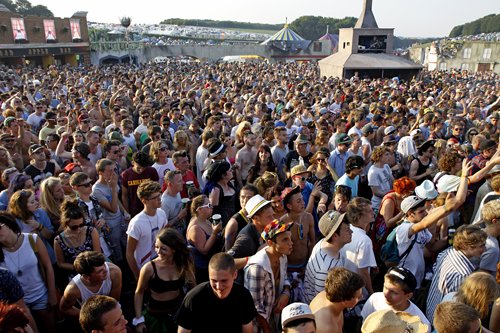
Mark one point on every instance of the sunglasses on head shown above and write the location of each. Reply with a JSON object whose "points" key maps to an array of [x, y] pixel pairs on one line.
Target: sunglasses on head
{"points": [[76, 227], [208, 205]]}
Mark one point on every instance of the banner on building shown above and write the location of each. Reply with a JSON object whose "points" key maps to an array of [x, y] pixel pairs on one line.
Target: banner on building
{"points": [[50, 30], [75, 29], [18, 28]]}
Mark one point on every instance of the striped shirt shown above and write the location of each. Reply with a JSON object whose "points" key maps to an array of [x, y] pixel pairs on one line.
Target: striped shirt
{"points": [[450, 269], [318, 265]]}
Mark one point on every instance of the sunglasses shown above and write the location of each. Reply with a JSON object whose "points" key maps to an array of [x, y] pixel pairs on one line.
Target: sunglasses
{"points": [[88, 184], [302, 179], [156, 197], [163, 148], [208, 205], [9, 140], [76, 227], [321, 159], [86, 121]]}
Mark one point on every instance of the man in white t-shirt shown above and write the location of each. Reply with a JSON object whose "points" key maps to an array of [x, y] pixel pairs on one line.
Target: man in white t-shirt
{"points": [[399, 286], [326, 253], [416, 222], [359, 252], [144, 227]]}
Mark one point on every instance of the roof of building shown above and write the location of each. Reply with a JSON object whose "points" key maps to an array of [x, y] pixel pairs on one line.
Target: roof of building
{"points": [[367, 61]]}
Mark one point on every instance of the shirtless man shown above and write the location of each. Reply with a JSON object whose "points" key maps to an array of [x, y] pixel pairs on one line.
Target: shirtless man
{"points": [[245, 157], [343, 289], [303, 235], [95, 277]]}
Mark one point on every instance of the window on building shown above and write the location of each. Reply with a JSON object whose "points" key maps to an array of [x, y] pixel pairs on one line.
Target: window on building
{"points": [[487, 53], [467, 53], [464, 66], [442, 66]]}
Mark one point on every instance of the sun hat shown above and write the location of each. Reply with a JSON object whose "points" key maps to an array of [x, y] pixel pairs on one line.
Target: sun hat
{"points": [[298, 169], [275, 228], [301, 138], [255, 203], [295, 311], [448, 183], [329, 223], [426, 190], [388, 321], [410, 202], [216, 148]]}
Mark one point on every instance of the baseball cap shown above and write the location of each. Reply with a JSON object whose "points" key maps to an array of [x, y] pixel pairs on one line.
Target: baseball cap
{"points": [[405, 275], [343, 139], [114, 135], [288, 193], [255, 203], [389, 130], [389, 139], [329, 223], [367, 129], [275, 228], [34, 148], [8, 121], [410, 202], [295, 311]]}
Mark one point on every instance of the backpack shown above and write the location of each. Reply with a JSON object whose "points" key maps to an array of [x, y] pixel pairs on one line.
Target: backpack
{"points": [[389, 252]]}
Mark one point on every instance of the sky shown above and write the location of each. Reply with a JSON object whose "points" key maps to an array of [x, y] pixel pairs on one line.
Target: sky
{"points": [[410, 18]]}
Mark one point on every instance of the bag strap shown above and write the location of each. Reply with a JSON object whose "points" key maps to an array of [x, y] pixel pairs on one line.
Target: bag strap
{"points": [[33, 244], [408, 249]]}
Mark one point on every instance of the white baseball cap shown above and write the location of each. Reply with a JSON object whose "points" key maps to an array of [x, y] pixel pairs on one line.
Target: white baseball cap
{"points": [[410, 202], [295, 311]]}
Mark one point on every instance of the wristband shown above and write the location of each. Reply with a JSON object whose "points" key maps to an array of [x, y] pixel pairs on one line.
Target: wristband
{"points": [[137, 321]]}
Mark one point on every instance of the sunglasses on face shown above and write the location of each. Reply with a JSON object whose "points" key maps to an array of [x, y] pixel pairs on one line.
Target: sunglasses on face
{"points": [[76, 227], [302, 179], [9, 140], [87, 184], [115, 151], [163, 148], [321, 159]]}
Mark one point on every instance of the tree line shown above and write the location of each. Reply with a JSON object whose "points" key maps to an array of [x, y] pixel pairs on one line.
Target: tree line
{"points": [[489, 23], [25, 8]]}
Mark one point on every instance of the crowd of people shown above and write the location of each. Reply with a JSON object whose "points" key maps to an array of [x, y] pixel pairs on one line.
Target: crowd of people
{"points": [[248, 198]]}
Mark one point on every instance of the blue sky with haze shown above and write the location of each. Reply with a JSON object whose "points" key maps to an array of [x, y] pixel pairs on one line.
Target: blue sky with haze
{"points": [[410, 18]]}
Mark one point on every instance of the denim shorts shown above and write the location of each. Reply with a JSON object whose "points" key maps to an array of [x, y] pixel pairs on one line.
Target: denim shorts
{"points": [[41, 303]]}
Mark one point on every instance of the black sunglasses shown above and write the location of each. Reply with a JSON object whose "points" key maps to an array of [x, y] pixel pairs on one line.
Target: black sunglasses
{"points": [[88, 184], [76, 227]]}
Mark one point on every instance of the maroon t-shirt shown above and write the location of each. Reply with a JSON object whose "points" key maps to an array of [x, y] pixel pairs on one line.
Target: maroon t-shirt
{"points": [[131, 181]]}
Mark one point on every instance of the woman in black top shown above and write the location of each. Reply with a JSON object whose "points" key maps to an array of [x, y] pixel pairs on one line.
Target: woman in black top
{"points": [[168, 277]]}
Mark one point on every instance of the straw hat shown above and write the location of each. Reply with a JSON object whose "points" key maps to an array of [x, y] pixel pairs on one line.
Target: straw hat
{"points": [[388, 321]]}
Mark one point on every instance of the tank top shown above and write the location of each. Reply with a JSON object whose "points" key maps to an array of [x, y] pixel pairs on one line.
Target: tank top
{"points": [[25, 261], [422, 169], [158, 285], [70, 253], [227, 204], [85, 293]]}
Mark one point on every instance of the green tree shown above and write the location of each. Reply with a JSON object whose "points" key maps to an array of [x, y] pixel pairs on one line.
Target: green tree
{"points": [[9, 4], [23, 6], [313, 27], [40, 10]]}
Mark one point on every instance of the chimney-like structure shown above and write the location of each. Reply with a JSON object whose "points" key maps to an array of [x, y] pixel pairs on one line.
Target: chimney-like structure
{"points": [[366, 20]]}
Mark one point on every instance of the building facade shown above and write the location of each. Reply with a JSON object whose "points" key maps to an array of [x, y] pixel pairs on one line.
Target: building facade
{"points": [[43, 41], [471, 55]]}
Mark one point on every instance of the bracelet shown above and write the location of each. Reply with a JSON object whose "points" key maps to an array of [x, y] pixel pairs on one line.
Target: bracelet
{"points": [[137, 321]]}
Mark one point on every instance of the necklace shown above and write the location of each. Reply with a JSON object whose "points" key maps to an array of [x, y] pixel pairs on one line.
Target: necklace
{"points": [[18, 266]]}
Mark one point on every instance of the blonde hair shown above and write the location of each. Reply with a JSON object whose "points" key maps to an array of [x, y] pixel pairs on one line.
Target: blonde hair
{"points": [[490, 211], [154, 150], [47, 200], [467, 236], [478, 290], [10, 163], [267, 181]]}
